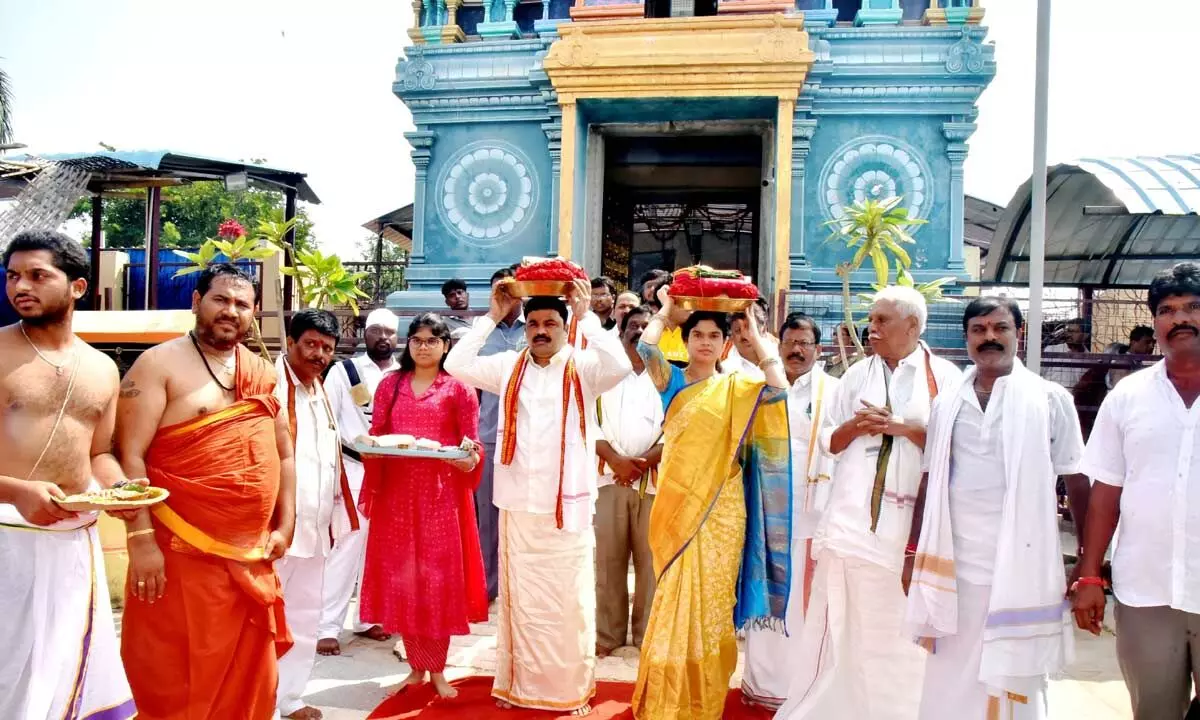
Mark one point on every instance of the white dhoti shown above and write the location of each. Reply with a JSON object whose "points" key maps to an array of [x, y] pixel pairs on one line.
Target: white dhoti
{"points": [[302, 600], [953, 690], [546, 639], [771, 656], [61, 658], [343, 572], [857, 659]]}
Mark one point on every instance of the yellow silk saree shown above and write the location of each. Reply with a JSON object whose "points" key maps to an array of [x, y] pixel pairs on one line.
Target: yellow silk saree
{"points": [[720, 534]]}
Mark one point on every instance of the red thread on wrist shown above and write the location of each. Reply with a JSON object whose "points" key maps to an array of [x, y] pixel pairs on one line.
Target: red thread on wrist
{"points": [[1098, 582], [911, 548]]}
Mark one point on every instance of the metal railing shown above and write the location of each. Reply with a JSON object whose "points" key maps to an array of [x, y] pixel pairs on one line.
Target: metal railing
{"points": [[382, 279]]}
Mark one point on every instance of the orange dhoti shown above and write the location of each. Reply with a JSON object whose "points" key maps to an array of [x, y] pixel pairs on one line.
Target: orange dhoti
{"points": [[208, 647]]}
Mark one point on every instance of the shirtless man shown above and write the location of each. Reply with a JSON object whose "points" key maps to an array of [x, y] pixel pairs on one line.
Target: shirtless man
{"points": [[204, 623], [58, 403]]}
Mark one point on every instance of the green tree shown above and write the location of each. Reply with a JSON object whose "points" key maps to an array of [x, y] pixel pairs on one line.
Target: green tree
{"points": [[6, 128], [189, 212]]}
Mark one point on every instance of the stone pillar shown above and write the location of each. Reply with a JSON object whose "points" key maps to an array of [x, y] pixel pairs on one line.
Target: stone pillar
{"points": [[956, 134], [414, 32], [422, 150], [504, 28], [879, 12], [568, 164], [953, 12], [554, 137], [818, 13], [802, 133], [784, 124]]}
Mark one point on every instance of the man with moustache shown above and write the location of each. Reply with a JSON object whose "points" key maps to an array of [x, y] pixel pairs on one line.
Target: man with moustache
{"points": [[350, 387], [985, 581], [56, 429], [629, 448], [770, 655], [322, 491], [509, 335], [626, 301], [604, 295], [545, 487], [1144, 460], [876, 430], [204, 623]]}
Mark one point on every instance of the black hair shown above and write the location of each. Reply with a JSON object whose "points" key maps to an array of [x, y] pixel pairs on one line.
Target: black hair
{"points": [[545, 302], [67, 253], [437, 326], [603, 281], [1180, 279], [307, 319], [988, 304], [639, 310], [721, 320], [224, 269], [1076, 321], [1140, 332], [451, 285], [799, 321], [504, 272], [650, 276], [759, 308]]}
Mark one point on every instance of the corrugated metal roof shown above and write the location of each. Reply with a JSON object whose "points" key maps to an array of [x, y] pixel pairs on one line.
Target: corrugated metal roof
{"points": [[1111, 222]]}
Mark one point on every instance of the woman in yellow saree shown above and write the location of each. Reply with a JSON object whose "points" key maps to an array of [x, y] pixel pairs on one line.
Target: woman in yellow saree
{"points": [[720, 530]]}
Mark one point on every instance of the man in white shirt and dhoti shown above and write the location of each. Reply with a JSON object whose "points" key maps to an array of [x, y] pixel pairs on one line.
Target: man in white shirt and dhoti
{"points": [[1144, 458], [857, 658], [769, 664], [545, 488], [629, 448], [320, 492], [985, 584], [350, 386]]}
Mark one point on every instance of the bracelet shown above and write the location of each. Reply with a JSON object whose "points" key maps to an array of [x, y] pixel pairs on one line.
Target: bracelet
{"points": [[135, 533], [910, 549], [764, 364]]}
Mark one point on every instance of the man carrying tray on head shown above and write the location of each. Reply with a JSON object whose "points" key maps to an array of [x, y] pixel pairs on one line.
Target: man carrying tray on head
{"points": [[56, 430], [546, 641]]}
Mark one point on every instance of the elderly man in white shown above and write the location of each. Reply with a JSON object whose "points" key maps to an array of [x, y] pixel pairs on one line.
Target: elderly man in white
{"points": [[1144, 458], [311, 342], [857, 659], [545, 487], [770, 655], [985, 584], [350, 386]]}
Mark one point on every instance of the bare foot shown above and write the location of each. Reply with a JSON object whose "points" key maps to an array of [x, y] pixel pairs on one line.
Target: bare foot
{"points": [[306, 713], [376, 633], [585, 709], [328, 646], [416, 677], [442, 687], [503, 705]]}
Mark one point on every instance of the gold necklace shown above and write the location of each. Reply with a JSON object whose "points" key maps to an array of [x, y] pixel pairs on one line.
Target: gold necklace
{"points": [[58, 367]]}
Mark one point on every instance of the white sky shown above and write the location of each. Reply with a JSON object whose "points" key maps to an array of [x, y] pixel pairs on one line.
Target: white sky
{"points": [[306, 84]]}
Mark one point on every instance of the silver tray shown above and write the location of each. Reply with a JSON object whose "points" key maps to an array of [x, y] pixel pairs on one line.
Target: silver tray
{"points": [[456, 454]]}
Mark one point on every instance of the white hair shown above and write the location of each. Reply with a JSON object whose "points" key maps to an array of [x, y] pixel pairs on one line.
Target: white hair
{"points": [[908, 301]]}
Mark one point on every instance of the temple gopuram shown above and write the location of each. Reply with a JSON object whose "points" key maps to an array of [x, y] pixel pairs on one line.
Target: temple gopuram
{"points": [[636, 135]]}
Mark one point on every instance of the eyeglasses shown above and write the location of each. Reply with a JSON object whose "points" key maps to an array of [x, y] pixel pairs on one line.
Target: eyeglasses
{"points": [[803, 344], [417, 343]]}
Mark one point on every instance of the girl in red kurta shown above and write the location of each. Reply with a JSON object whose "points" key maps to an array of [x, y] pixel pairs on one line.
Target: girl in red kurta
{"points": [[424, 569]]}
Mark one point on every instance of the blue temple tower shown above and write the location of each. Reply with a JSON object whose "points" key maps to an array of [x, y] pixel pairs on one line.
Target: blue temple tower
{"points": [[628, 135]]}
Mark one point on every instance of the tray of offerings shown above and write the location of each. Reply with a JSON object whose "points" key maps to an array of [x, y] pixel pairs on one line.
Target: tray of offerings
{"points": [[544, 277], [409, 446], [702, 288], [128, 497]]}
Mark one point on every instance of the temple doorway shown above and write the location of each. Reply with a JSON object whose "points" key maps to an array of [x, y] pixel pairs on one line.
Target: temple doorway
{"points": [[671, 201]]}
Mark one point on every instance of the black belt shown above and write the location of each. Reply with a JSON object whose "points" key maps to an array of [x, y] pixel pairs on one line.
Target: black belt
{"points": [[351, 453]]}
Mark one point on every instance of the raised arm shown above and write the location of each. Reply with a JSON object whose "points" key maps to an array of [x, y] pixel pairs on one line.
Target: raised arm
{"points": [[656, 362], [464, 362], [142, 399]]}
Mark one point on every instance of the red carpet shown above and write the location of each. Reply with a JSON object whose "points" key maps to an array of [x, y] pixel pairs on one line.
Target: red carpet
{"points": [[475, 702]]}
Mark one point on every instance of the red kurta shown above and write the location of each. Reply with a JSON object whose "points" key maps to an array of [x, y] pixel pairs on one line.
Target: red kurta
{"points": [[424, 569]]}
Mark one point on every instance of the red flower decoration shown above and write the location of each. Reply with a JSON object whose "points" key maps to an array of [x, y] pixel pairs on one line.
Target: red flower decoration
{"points": [[231, 229]]}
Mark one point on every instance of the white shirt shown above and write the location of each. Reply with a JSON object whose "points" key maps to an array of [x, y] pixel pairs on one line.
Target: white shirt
{"points": [[977, 481], [846, 525], [1068, 377], [802, 403], [632, 419], [353, 420], [1146, 442], [530, 483], [734, 362], [316, 454]]}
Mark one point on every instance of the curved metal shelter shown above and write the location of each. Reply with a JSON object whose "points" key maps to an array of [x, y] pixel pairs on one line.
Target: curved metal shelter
{"points": [[1110, 222]]}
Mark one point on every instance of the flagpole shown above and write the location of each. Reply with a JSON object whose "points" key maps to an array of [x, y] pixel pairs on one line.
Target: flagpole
{"points": [[1037, 212]]}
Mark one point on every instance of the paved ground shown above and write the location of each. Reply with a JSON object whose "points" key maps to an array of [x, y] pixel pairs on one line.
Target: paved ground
{"points": [[350, 686]]}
